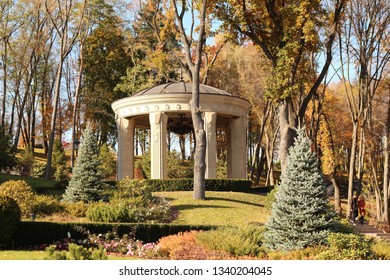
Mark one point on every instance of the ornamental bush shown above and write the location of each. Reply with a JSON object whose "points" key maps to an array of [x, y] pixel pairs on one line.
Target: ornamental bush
{"points": [[127, 210], [76, 252], [22, 193], [76, 209], [9, 219], [47, 205], [245, 241], [133, 189], [348, 247]]}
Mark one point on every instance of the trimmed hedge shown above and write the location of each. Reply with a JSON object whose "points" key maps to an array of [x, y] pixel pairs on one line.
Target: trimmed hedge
{"points": [[187, 184], [170, 185], [38, 233]]}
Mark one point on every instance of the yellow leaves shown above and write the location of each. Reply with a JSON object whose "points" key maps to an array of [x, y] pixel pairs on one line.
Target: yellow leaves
{"points": [[325, 144]]}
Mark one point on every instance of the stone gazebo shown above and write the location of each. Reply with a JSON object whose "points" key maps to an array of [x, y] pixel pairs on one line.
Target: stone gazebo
{"points": [[166, 108]]}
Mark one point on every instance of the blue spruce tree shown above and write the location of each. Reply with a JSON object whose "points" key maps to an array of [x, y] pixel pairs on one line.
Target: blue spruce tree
{"points": [[301, 215], [86, 182]]}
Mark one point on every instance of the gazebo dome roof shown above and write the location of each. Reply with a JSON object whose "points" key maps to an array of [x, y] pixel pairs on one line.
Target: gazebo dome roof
{"points": [[180, 88]]}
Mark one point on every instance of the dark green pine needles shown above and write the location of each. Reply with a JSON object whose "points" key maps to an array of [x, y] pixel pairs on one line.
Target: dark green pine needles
{"points": [[301, 215], [86, 182]]}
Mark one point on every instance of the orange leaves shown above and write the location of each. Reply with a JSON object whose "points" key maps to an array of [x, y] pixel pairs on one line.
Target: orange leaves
{"points": [[183, 246]]}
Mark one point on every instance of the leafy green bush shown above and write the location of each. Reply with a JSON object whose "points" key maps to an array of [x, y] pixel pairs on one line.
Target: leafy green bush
{"points": [[9, 219], [382, 249], [108, 161], [25, 163], [133, 189], [105, 212], [308, 253], [76, 209], [246, 241], [158, 210], [76, 252], [178, 168], [22, 193], [348, 247], [145, 164], [342, 226], [270, 198], [47, 205], [38, 170]]}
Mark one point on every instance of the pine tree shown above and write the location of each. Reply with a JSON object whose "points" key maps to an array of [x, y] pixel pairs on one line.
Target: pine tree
{"points": [[301, 216], [86, 182]]}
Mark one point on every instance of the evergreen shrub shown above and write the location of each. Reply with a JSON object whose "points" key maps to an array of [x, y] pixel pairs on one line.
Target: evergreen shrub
{"points": [[77, 209], [9, 219], [245, 241], [130, 210], [382, 249], [348, 246], [108, 161], [22, 193], [133, 189], [47, 205], [38, 170], [76, 252]]}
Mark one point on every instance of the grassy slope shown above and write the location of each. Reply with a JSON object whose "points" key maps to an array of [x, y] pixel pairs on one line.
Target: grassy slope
{"points": [[35, 183], [219, 208]]}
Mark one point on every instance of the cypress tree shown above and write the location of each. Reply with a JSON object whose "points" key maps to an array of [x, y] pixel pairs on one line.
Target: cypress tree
{"points": [[86, 182], [301, 215]]}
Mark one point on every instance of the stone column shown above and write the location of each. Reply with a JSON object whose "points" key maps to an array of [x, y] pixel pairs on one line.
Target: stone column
{"points": [[236, 148], [125, 158], [210, 120], [158, 153]]}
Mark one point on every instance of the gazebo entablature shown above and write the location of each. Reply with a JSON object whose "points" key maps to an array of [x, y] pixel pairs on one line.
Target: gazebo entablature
{"points": [[151, 109]]}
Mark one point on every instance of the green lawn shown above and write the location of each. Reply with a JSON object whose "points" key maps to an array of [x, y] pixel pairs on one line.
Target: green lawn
{"points": [[219, 208], [40, 255], [22, 255]]}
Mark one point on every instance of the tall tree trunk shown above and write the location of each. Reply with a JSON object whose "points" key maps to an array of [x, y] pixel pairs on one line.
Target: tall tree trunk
{"points": [[200, 137], [194, 61], [288, 125], [54, 117], [336, 195], [182, 143], [352, 160], [76, 105], [386, 167], [4, 83]]}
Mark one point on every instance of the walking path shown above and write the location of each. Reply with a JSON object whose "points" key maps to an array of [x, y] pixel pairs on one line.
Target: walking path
{"points": [[372, 231]]}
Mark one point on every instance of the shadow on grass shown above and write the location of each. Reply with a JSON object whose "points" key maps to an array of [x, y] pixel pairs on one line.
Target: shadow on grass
{"points": [[236, 201], [193, 206]]}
